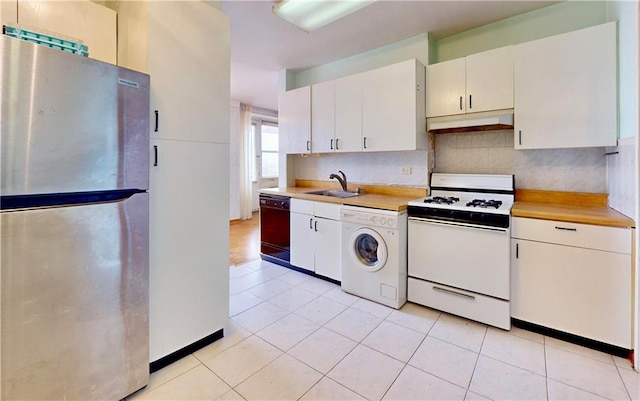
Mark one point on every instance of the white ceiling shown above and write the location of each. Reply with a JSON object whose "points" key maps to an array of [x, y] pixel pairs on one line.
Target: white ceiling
{"points": [[262, 44]]}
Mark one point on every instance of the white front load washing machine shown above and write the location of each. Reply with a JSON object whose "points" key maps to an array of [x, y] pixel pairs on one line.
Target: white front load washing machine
{"points": [[374, 254]]}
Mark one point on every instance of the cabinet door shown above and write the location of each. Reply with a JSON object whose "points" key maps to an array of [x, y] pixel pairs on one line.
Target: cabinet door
{"points": [[322, 117], [294, 119], [490, 80], [575, 290], [348, 101], [390, 103], [302, 234], [189, 244], [565, 90], [328, 248], [9, 12], [189, 53], [445, 84], [92, 23]]}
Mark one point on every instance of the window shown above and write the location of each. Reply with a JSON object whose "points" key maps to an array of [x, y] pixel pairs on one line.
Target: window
{"points": [[269, 140], [264, 150]]}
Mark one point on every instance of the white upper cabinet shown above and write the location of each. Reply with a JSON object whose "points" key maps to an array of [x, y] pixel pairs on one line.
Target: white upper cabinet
{"points": [[336, 115], [490, 80], [348, 114], [182, 91], [378, 110], [565, 90], [89, 22], [323, 117], [446, 88], [479, 82], [393, 108], [294, 120]]}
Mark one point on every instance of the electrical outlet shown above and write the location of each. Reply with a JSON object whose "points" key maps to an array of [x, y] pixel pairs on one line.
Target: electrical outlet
{"points": [[406, 170]]}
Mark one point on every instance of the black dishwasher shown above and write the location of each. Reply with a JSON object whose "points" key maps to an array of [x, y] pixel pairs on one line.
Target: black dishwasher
{"points": [[274, 229]]}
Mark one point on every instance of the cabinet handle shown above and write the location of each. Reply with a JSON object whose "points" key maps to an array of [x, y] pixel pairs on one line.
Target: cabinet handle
{"points": [[157, 120], [310, 224], [446, 291], [337, 148], [470, 106], [519, 137], [308, 145], [332, 144], [460, 102], [316, 226], [566, 228], [155, 155], [517, 250], [365, 142]]}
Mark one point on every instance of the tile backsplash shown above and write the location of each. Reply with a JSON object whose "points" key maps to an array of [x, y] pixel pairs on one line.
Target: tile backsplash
{"points": [[382, 168], [492, 152], [488, 152], [623, 179]]}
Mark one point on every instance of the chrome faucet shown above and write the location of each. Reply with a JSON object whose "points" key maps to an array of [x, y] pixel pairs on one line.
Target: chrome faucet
{"points": [[342, 180]]}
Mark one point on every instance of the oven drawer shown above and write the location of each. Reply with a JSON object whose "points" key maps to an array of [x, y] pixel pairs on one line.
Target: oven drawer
{"points": [[492, 311], [602, 238], [475, 259]]}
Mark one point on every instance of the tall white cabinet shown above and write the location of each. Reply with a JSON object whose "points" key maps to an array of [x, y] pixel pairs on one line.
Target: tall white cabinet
{"points": [[187, 48]]}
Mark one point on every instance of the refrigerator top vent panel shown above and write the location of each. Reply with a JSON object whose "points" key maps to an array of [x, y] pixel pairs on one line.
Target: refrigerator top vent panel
{"points": [[47, 39]]}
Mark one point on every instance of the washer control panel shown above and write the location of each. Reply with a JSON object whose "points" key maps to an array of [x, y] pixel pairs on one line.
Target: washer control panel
{"points": [[370, 217]]}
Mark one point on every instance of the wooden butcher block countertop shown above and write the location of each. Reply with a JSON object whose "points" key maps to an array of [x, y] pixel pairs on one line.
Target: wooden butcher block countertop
{"points": [[573, 207], [374, 196]]}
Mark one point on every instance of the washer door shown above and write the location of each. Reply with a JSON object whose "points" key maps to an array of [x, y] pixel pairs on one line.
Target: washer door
{"points": [[368, 249]]}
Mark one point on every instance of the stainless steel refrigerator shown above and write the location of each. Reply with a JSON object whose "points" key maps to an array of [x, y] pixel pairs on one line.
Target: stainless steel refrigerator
{"points": [[74, 226]]}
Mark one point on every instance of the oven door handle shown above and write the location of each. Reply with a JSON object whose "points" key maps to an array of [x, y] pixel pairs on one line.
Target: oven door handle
{"points": [[462, 225], [458, 294]]}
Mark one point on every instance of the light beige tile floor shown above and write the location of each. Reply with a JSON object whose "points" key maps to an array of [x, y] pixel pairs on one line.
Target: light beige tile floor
{"points": [[292, 336]]}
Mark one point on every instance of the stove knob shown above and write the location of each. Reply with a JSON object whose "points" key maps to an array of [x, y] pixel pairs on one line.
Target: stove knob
{"points": [[383, 221]]}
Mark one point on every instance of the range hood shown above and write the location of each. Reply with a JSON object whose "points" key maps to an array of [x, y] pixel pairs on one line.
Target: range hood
{"points": [[485, 121]]}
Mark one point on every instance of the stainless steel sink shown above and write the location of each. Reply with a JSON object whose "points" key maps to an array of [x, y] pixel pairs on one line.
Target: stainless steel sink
{"points": [[333, 192]]}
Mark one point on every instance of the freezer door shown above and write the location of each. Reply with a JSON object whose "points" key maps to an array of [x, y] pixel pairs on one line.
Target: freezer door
{"points": [[69, 123], [74, 301]]}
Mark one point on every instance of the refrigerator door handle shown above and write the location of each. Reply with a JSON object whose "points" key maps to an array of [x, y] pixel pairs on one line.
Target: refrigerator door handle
{"points": [[17, 202], [157, 121], [155, 155]]}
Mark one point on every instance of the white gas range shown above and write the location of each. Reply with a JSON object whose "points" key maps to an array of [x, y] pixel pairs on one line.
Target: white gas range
{"points": [[459, 246]]}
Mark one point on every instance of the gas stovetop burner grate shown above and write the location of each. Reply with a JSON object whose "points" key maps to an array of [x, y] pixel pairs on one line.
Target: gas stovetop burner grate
{"points": [[442, 200], [485, 203]]}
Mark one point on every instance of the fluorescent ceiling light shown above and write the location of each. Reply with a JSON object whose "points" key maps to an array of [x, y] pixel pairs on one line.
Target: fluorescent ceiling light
{"points": [[312, 14]]}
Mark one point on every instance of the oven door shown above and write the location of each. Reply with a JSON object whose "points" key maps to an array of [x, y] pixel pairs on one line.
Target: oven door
{"points": [[469, 257]]}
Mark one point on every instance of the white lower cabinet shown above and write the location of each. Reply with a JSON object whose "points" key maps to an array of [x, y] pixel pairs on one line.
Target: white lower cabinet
{"points": [[316, 238], [575, 278]]}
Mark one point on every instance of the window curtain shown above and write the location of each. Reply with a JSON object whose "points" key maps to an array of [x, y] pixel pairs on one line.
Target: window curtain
{"points": [[245, 162]]}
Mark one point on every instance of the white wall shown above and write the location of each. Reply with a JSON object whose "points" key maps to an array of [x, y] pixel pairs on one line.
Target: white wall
{"points": [[234, 161], [626, 13], [623, 168], [416, 47]]}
